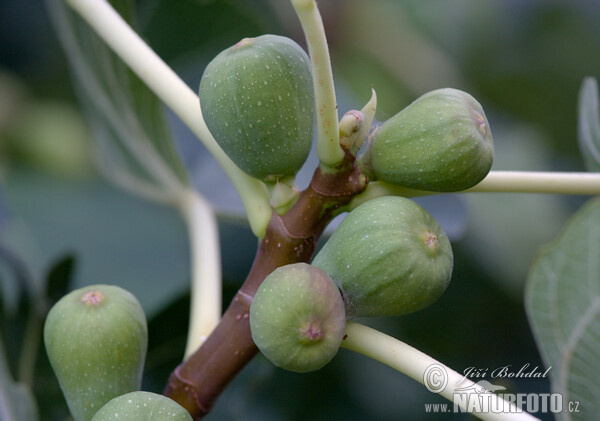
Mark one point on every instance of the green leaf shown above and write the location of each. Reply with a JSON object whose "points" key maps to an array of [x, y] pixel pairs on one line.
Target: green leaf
{"points": [[132, 139], [16, 399], [59, 278], [17, 402], [563, 306], [589, 124], [117, 238]]}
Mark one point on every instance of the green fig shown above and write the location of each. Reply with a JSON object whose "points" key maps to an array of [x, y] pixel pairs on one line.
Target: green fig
{"points": [[389, 257], [142, 406], [96, 339], [441, 142], [257, 100], [297, 318]]}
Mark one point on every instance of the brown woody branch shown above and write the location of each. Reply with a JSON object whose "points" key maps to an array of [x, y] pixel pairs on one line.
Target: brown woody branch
{"points": [[198, 381]]}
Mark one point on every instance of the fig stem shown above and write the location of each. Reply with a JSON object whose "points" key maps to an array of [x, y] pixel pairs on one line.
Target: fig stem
{"points": [[419, 366], [290, 238], [205, 307], [580, 183], [177, 95], [329, 149], [539, 182]]}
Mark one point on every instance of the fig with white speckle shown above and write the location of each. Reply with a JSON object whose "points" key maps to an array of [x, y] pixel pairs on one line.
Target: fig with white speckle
{"points": [[142, 406], [96, 339], [389, 257], [297, 318], [257, 100], [441, 142]]}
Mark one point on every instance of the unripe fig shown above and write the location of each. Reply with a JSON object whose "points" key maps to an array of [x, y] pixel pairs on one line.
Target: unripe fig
{"points": [[440, 142], [297, 318], [258, 102], [96, 339], [142, 406], [389, 256]]}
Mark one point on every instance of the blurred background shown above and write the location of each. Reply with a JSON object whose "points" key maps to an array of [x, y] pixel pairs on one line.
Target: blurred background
{"points": [[63, 225]]}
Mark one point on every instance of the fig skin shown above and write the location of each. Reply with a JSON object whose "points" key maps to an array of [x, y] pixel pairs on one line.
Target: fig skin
{"points": [[96, 340], [297, 318], [389, 257], [257, 100], [142, 406], [441, 142]]}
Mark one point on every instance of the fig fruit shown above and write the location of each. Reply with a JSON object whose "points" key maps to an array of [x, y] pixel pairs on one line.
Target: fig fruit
{"points": [[96, 339], [142, 406], [297, 318], [389, 257], [257, 100], [441, 142]]}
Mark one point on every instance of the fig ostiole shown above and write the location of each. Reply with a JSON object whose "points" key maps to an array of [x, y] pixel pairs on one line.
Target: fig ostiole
{"points": [[257, 100], [142, 406], [96, 339], [441, 142], [389, 257], [297, 318]]}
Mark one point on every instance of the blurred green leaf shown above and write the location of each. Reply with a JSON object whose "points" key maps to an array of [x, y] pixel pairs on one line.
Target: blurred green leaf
{"points": [[16, 401], [15, 305], [133, 143], [117, 238], [505, 230], [184, 31], [563, 306], [15, 276], [58, 279], [589, 124], [19, 323], [51, 135]]}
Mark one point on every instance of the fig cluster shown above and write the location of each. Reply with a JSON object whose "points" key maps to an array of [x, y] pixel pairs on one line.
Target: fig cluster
{"points": [[388, 257]]}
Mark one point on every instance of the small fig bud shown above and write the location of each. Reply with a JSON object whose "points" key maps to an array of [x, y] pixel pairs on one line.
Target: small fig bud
{"points": [[142, 406], [96, 339], [389, 256], [297, 318], [350, 127], [440, 142], [284, 194], [258, 102]]}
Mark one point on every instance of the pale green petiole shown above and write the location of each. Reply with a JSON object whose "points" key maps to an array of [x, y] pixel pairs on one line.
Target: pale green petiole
{"points": [[161, 79], [205, 311], [539, 182], [328, 143], [422, 368], [581, 183]]}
